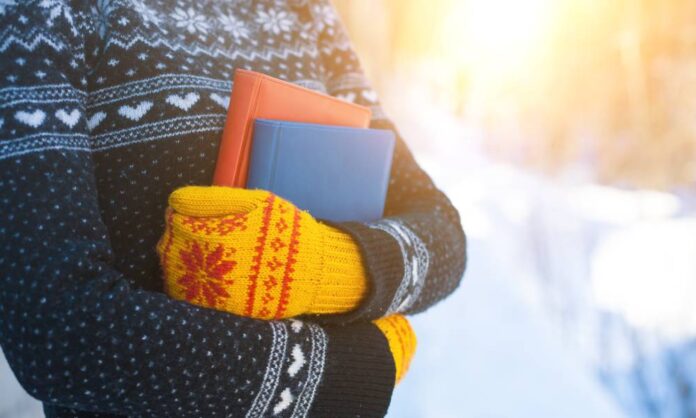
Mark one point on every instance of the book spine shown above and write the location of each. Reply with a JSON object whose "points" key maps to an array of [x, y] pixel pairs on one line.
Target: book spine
{"points": [[232, 153], [242, 172]]}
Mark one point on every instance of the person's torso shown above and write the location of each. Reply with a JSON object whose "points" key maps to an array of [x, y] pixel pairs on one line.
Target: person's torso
{"points": [[158, 99]]}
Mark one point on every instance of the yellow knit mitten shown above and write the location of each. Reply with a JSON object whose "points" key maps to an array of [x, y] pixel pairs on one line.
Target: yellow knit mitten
{"points": [[402, 341], [252, 253]]}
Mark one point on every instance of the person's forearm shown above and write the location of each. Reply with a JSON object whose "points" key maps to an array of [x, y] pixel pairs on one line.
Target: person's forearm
{"points": [[418, 250]]}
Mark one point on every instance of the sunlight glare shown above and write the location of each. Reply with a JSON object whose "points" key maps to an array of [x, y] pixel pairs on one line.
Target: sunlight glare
{"points": [[500, 32]]}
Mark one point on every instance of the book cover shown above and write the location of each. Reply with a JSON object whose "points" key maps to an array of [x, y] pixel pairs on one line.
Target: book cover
{"points": [[336, 173], [256, 95]]}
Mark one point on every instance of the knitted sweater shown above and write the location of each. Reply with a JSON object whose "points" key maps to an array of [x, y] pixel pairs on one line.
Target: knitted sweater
{"points": [[107, 106]]}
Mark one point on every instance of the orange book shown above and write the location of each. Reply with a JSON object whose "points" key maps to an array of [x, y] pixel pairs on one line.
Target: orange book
{"points": [[256, 95]]}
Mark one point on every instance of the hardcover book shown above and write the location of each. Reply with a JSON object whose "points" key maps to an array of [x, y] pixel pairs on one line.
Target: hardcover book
{"points": [[256, 95], [335, 173]]}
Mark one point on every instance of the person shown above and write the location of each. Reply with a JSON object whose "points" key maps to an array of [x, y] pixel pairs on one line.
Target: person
{"points": [[105, 109]]}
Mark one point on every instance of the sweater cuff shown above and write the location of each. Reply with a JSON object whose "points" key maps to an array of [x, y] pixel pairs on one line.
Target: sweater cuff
{"points": [[384, 264], [358, 378]]}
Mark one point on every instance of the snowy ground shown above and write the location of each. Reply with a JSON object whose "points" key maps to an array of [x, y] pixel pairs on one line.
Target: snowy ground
{"points": [[576, 301], [14, 402]]}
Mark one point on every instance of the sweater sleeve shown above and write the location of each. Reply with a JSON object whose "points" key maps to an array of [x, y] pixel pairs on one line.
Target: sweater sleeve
{"points": [[416, 255], [74, 330]]}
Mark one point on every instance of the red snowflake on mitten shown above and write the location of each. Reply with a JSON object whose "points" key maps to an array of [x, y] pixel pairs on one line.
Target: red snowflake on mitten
{"points": [[205, 273]]}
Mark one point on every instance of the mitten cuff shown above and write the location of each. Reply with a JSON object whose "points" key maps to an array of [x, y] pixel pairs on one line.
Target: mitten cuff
{"points": [[344, 279], [382, 260]]}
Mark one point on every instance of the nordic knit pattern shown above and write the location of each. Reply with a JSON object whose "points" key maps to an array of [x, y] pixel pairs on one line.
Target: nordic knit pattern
{"points": [[106, 107], [252, 253]]}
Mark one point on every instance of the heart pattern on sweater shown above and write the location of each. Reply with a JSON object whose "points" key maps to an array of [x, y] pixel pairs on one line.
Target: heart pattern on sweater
{"points": [[370, 95], [135, 113], [95, 120], [349, 97], [69, 119], [298, 360], [183, 103], [222, 101], [33, 119], [286, 399]]}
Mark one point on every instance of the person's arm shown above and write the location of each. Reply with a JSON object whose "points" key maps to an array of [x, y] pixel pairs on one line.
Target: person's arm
{"points": [[416, 255], [74, 331]]}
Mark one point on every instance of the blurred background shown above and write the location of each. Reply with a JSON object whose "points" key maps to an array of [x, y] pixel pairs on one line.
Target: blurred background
{"points": [[565, 133]]}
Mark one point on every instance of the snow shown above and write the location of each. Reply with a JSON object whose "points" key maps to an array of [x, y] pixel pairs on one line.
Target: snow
{"points": [[14, 402], [651, 284]]}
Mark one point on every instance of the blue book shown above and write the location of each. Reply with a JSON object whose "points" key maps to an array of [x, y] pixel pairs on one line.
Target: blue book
{"points": [[336, 173]]}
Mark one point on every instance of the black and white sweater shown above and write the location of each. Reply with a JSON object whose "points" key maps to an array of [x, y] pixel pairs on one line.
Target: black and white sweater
{"points": [[106, 106]]}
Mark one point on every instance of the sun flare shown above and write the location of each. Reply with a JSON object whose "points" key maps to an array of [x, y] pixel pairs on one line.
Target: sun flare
{"points": [[496, 32]]}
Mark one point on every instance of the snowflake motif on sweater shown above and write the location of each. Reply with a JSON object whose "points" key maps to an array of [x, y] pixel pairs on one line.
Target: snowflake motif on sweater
{"points": [[234, 26], [57, 8], [274, 21], [149, 15], [190, 20]]}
